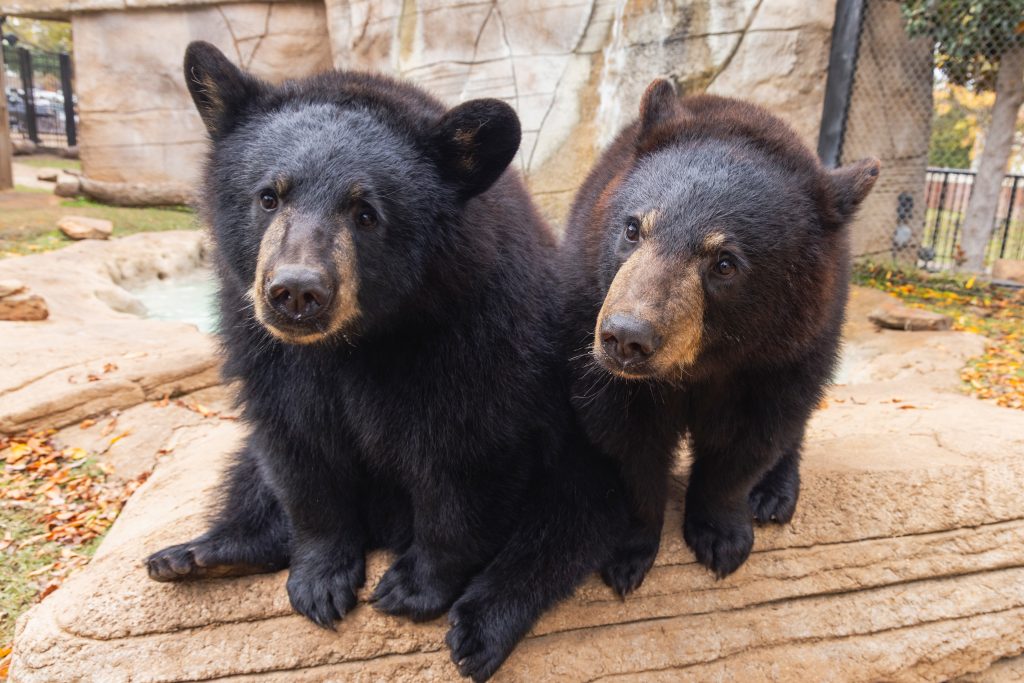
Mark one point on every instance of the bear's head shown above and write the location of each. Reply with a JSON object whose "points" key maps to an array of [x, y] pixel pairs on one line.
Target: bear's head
{"points": [[328, 197], [722, 241]]}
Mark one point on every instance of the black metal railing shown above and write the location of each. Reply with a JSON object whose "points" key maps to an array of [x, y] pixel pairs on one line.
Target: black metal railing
{"points": [[40, 97], [947, 191]]}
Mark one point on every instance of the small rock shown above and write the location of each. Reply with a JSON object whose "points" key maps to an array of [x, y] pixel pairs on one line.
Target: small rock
{"points": [[82, 228], [8, 287], [67, 186], [1008, 269], [23, 307], [896, 316], [48, 175]]}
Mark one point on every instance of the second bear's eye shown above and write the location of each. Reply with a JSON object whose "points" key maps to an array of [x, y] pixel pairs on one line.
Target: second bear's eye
{"points": [[268, 200], [726, 266], [365, 216], [632, 231]]}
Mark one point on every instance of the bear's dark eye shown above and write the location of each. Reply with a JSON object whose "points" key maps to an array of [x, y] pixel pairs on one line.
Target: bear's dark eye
{"points": [[365, 216], [268, 200], [632, 231], [726, 266]]}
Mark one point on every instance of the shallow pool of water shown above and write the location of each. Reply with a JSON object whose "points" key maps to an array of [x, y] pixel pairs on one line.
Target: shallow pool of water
{"points": [[188, 298]]}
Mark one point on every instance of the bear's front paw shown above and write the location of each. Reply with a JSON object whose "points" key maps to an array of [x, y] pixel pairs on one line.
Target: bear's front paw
{"points": [[481, 636], [410, 589], [201, 559], [324, 589], [631, 561], [721, 542], [774, 499]]}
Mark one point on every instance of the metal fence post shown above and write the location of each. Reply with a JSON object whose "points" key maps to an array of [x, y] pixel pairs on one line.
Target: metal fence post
{"points": [[842, 63], [25, 59], [69, 102]]}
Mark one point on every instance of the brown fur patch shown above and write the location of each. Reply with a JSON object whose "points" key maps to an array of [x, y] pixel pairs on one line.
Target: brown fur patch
{"points": [[666, 293], [713, 242]]}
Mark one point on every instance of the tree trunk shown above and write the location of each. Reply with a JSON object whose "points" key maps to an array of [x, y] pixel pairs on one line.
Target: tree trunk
{"points": [[6, 148], [988, 183]]}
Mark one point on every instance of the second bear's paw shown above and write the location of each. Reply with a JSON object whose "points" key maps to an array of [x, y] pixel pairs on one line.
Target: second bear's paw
{"points": [[323, 590], [774, 500], [630, 563], [481, 636], [720, 543], [409, 589]]}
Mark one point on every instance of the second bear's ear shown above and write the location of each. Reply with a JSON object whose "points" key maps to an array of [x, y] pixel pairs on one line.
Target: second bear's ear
{"points": [[476, 142], [658, 104], [219, 89], [851, 184]]}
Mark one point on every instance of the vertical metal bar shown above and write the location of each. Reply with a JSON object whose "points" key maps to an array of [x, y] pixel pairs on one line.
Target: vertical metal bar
{"points": [[938, 208], [964, 198], [842, 63], [69, 99], [1009, 214], [25, 61]]}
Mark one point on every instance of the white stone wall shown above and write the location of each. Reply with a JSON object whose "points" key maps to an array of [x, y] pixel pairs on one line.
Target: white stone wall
{"points": [[575, 69], [138, 123]]}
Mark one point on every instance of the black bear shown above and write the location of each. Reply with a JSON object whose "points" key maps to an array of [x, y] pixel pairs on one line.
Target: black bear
{"points": [[387, 308], [707, 264]]}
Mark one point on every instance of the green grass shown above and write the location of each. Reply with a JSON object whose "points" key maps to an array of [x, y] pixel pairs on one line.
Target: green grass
{"points": [[49, 162], [30, 227]]}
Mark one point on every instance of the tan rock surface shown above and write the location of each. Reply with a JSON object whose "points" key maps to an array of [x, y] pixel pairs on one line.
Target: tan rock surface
{"points": [[23, 307], [89, 356], [1008, 269], [83, 228], [904, 563], [897, 316]]}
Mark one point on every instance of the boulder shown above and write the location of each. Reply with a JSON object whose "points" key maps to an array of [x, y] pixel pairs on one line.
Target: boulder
{"points": [[1008, 269], [896, 316], [67, 186], [8, 287], [83, 228], [23, 307], [48, 175]]}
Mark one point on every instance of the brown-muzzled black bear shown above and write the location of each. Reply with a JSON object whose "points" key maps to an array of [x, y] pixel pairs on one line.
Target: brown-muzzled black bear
{"points": [[707, 263], [388, 309]]}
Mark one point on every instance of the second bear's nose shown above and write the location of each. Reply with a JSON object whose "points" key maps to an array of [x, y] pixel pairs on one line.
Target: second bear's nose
{"points": [[299, 293], [628, 339]]}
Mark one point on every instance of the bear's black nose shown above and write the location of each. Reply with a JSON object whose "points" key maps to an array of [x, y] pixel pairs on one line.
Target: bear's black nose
{"points": [[299, 293], [628, 339]]}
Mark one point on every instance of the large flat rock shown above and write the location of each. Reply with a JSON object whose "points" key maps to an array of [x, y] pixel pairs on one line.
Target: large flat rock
{"points": [[905, 562], [95, 353]]}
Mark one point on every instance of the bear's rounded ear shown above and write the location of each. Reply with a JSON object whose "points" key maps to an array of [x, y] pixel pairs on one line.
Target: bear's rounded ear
{"points": [[658, 104], [476, 142], [851, 184], [219, 88]]}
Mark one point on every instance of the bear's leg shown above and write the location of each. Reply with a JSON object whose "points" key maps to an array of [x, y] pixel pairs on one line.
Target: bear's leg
{"points": [[321, 493], [646, 477], [775, 496], [570, 532], [249, 533], [425, 580]]}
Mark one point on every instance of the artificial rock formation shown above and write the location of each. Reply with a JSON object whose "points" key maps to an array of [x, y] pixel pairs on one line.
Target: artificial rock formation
{"points": [[904, 563], [94, 353]]}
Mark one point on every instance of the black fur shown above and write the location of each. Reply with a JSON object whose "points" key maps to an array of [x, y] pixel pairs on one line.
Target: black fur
{"points": [[770, 330], [435, 422]]}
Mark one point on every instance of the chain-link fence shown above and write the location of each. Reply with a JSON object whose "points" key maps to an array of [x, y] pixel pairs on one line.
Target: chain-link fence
{"points": [[935, 93]]}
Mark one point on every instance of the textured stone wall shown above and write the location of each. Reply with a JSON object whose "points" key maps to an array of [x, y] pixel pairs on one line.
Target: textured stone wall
{"points": [[138, 124], [575, 70]]}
